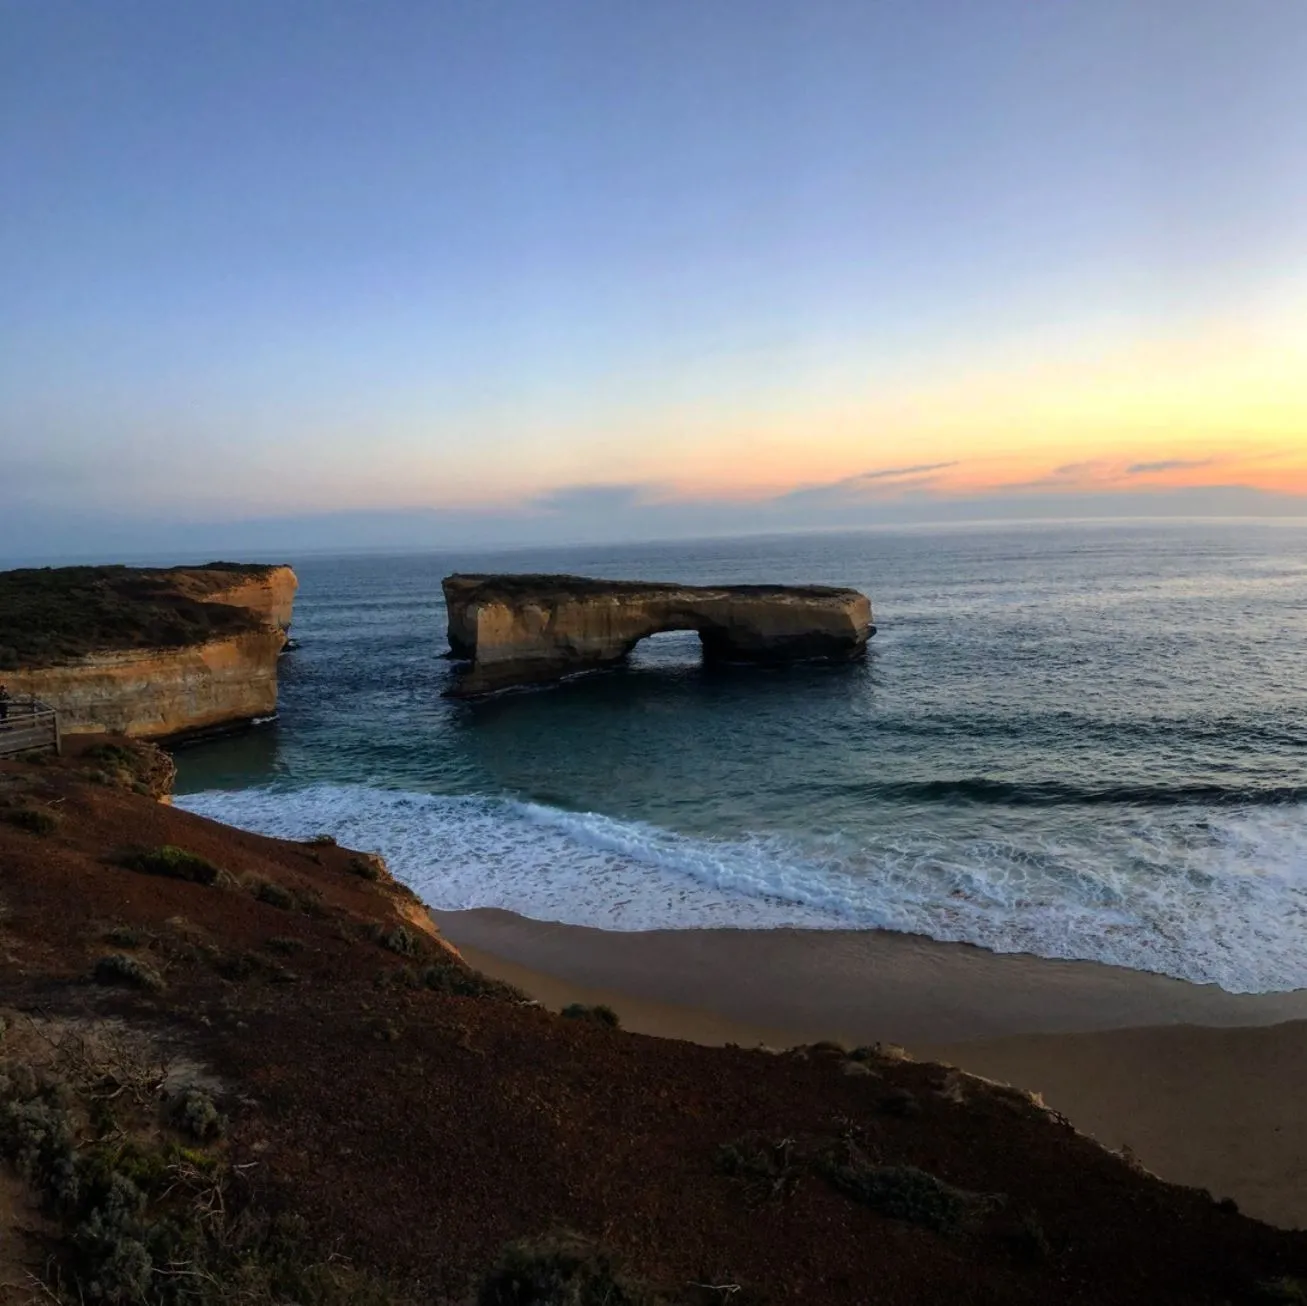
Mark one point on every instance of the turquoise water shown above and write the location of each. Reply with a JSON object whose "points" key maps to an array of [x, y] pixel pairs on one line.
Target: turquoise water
{"points": [[1078, 741]]}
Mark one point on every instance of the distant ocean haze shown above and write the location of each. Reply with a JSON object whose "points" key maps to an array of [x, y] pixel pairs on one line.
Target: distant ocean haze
{"points": [[1083, 742]]}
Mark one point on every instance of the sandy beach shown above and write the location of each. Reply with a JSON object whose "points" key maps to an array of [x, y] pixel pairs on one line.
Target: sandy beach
{"points": [[1203, 1086]]}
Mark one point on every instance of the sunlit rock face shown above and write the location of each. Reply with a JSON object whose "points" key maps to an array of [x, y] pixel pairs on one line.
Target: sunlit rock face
{"points": [[213, 684], [516, 630]]}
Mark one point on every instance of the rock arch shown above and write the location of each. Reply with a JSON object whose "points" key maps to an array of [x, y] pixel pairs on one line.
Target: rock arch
{"points": [[526, 629]]}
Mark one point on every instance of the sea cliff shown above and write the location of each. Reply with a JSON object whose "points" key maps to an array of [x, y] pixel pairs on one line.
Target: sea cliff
{"points": [[147, 653], [526, 629]]}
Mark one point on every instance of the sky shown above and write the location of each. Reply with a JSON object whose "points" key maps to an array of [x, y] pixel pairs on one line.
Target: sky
{"points": [[314, 274]]}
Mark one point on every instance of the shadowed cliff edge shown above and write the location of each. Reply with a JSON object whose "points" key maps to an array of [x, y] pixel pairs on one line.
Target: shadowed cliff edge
{"points": [[531, 630]]}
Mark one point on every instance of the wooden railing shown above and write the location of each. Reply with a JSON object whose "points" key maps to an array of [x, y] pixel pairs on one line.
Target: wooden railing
{"points": [[27, 725]]}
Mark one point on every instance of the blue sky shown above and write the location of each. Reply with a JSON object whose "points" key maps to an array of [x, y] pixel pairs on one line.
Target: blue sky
{"points": [[596, 270]]}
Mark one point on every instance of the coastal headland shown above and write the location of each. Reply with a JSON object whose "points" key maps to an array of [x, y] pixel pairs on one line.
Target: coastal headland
{"points": [[530, 630], [149, 653], [257, 1061]]}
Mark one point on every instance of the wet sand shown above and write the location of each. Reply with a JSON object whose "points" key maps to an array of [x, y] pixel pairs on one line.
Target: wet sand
{"points": [[1203, 1086]]}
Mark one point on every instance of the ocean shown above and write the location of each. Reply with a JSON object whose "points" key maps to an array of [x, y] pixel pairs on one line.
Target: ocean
{"points": [[1078, 741]]}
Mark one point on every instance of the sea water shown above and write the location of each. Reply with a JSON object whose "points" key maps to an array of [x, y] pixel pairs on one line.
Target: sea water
{"points": [[1080, 741]]}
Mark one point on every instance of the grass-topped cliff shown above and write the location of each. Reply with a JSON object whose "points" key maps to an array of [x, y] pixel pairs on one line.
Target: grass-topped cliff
{"points": [[54, 615], [244, 1069]]}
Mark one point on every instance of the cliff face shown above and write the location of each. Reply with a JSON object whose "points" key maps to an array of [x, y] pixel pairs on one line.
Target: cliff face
{"points": [[529, 629], [222, 675], [152, 695]]}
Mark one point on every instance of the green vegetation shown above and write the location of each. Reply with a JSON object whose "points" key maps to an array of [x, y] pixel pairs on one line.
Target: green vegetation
{"points": [[121, 968], [561, 1271], [462, 981], [35, 820], [58, 614], [402, 942], [195, 1113], [599, 1015], [322, 841], [367, 866], [146, 1220], [173, 862], [275, 895], [902, 1192], [905, 1193]]}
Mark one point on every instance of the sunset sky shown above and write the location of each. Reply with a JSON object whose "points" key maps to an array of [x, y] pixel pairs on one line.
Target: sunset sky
{"points": [[336, 273]]}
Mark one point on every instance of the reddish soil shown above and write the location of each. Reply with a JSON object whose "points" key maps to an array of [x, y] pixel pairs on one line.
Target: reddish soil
{"points": [[417, 1133]]}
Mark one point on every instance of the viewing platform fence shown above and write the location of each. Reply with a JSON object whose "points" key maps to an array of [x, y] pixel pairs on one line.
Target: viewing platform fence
{"points": [[28, 725]]}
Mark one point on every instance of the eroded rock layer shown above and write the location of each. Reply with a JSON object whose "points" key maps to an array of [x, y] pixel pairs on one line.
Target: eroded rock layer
{"points": [[159, 680], [534, 629]]}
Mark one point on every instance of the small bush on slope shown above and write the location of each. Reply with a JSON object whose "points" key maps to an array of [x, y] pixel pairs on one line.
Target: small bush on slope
{"points": [[119, 968], [35, 820], [172, 862]]}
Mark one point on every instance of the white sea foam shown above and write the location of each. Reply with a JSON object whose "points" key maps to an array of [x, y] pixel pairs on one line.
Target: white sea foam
{"points": [[1213, 895]]}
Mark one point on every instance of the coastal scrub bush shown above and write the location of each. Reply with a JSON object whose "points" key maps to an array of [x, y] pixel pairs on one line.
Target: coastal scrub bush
{"points": [[121, 968], [35, 820], [365, 866], [599, 1014], [286, 945], [275, 895], [462, 981], [559, 1271], [322, 841], [904, 1192], [195, 1113], [173, 862], [402, 941]]}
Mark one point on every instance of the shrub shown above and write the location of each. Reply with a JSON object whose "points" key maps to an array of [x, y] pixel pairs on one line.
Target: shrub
{"points": [[174, 863], [560, 1271], [35, 820], [322, 841], [402, 941], [905, 1193], [600, 1014], [309, 901], [195, 1113], [285, 945], [365, 866], [462, 981], [120, 968], [36, 1137], [275, 895]]}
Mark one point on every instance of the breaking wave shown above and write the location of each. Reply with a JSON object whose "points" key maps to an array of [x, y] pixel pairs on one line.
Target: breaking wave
{"points": [[1208, 891]]}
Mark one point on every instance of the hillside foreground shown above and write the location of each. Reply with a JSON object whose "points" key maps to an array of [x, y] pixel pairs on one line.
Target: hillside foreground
{"points": [[245, 1069]]}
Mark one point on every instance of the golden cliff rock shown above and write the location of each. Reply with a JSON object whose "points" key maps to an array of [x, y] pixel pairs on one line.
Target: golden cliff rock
{"points": [[517, 630], [144, 652]]}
